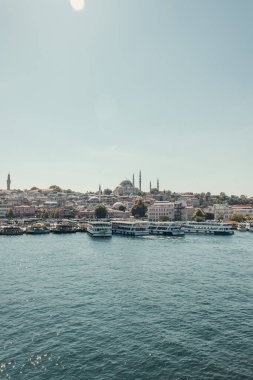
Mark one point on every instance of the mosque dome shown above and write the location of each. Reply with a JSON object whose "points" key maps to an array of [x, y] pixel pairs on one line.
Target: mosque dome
{"points": [[117, 205], [93, 199], [126, 183]]}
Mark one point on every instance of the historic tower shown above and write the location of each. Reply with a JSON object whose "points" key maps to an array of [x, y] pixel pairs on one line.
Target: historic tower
{"points": [[9, 182], [140, 180], [158, 184], [133, 182]]}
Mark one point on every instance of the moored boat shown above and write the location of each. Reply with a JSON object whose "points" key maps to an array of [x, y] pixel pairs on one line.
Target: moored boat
{"points": [[11, 230], [63, 228], [249, 226], [208, 228], [130, 228], [99, 229], [166, 229], [37, 229], [242, 227]]}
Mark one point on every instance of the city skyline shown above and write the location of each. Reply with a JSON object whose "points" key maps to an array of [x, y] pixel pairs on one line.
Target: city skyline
{"points": [[92, 89], [146, 189]]}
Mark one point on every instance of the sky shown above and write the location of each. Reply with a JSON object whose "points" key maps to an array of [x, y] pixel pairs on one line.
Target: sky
{"points": [[93, 91]]}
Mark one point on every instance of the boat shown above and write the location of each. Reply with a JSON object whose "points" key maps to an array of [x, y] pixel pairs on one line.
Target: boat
{"points": [[37, 229], [208, 228], [11, 230], [63, 228], [166, 228], [99, 229], [249, 226], [130, 228], [242, 227], [82, 227]]}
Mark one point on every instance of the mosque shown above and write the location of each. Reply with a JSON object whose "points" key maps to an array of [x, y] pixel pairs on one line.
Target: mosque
{"points": [[128, 188]]}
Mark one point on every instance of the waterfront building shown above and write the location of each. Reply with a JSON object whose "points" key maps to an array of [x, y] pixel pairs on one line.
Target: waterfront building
{"points": [[243, 209], [160, 210], [222, 212], [169, 210]]}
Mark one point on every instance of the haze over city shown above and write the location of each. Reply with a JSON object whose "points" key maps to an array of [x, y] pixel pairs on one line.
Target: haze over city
{"points": [[92, 91]]}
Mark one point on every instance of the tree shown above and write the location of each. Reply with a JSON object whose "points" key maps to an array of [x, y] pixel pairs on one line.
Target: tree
{"points": [[122, 208], [107, 191], [100, 211], [199, 215], [34, 188], [139, 208], [55, 188], [209, 216], [236, 217], [10, 213], [55, 214], [164, 218], [45, 214]]}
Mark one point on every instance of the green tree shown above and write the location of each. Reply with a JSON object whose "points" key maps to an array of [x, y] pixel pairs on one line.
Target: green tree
{"points": [[122, 208], [139, 208], [107, 191], [45, 214], [164, 218], [10, 213], [239, 218], [100, 211], [199, 215], [209, 216], [34, 188], [55, 188]]}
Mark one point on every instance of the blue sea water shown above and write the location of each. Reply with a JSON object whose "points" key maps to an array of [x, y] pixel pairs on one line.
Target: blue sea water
{"points": [[73, 307]]}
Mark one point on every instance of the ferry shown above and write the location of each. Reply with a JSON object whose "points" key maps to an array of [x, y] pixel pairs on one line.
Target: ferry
{"points": [[165, 228], [130, 228], [99, 229], [63, 228], [11, 230], [37, 229], [208, 228], [242, 227]]}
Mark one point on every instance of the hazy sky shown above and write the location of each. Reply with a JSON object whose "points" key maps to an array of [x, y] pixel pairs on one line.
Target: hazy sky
{"points": [[91, 96]]}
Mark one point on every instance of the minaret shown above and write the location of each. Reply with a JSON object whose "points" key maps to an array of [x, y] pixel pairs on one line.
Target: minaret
{"points": [[133, 181], [140, 180], [150, 187], [9, 182], [99, 193], [158, 184]]}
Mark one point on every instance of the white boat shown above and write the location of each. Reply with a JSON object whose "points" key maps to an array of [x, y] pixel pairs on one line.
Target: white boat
{"points": [[242, 227], [208, 228], [130, 228], [249, 226], [99, 229], [166, 228]]}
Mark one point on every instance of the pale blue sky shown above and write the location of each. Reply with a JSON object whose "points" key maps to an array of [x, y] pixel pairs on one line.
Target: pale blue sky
{"points": [[163, 85]]}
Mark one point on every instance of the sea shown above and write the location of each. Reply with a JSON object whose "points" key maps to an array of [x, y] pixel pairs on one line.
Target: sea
{"points": [[75, 307]]}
